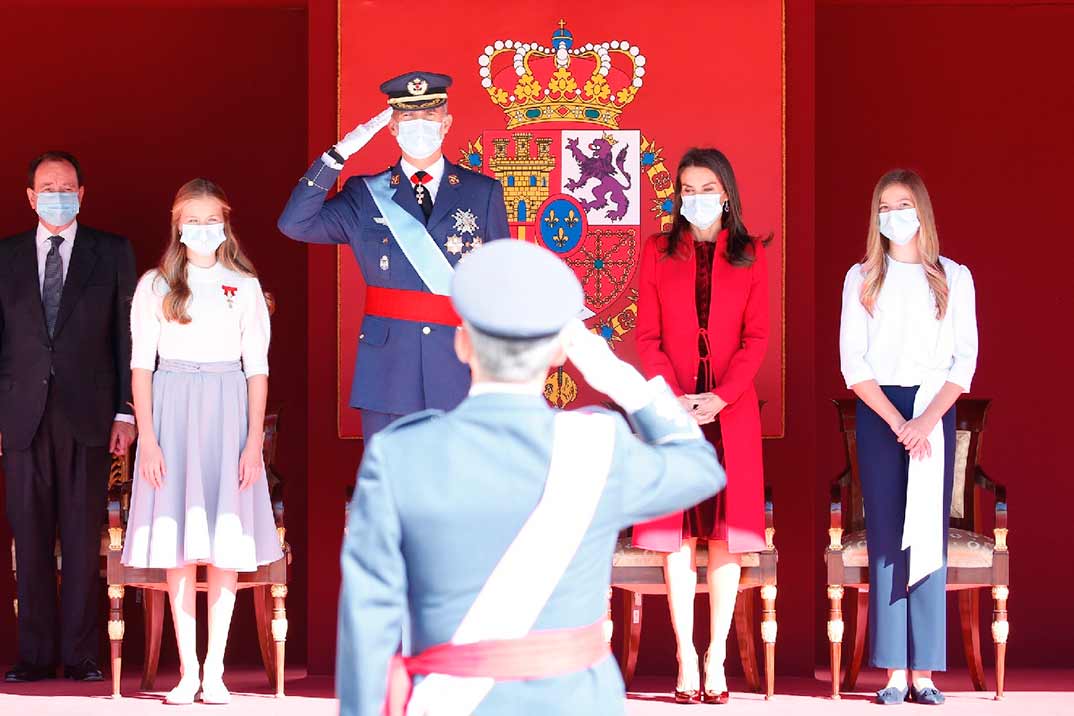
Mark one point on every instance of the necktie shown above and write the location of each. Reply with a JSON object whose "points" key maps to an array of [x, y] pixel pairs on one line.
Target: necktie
{"points": [[421, 193], [52, 288]]}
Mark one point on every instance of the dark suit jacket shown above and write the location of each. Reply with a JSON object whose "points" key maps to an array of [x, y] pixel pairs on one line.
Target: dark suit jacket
{"points": [[89, 355]]}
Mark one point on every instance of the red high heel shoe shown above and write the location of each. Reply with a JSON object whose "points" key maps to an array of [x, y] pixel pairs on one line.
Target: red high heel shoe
{"points": [[692, 696], [718, 698]]}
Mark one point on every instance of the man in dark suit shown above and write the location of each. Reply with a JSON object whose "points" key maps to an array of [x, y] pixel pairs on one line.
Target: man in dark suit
{"points": [[65, 349]]}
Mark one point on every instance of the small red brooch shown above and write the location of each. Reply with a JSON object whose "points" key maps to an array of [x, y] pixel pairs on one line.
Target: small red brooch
{"points": [[229, 293]]}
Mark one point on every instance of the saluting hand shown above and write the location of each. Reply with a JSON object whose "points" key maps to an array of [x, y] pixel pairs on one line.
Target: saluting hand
{"points": [[251, 464], [360, 135], [151, 463]]}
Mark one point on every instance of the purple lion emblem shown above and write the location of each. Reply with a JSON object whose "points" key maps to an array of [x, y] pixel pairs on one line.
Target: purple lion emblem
{"points": [[599, 167]]}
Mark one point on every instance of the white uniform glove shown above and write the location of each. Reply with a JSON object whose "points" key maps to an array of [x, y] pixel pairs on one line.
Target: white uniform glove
{"points": [[360, 135], [616, 378]]}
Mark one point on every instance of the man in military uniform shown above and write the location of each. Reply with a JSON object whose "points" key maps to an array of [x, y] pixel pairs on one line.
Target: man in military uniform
{"points": [[494, 524], [408, 227]]}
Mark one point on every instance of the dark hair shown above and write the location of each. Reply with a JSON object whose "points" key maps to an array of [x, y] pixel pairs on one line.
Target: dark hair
{"points": [[55, 156], [739, 238]]}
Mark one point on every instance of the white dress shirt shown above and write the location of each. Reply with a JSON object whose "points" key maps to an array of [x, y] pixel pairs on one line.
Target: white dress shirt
{"points": [[903, 343], [436, 171], [44, 246], [65, 249], [222, 327]]}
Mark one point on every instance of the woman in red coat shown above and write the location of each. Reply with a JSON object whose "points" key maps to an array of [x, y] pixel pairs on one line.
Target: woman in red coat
{"points": [[703, 326]]}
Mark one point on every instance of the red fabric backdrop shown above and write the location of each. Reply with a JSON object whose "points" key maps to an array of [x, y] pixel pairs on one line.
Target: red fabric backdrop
{"points": [[147, 98]]}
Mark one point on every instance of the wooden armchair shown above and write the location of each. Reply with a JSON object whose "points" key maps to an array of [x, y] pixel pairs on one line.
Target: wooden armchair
{"points": [[637, 572], [269, 582], [975, 560]]}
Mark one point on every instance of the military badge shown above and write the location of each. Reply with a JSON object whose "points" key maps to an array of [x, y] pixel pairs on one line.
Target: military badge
{"points": [[453, 179], [417, 86], [476, 243], [453, 244], [395, 180], [229, 294], [384, 264], [465, 221]]}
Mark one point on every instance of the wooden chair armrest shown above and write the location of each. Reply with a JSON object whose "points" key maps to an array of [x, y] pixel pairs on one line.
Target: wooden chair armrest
{"points": [[769, 519], [835, 525], [998, 489]]}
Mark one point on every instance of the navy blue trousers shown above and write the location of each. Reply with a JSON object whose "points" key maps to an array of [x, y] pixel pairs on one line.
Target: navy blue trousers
{"points": [[907, 627]]}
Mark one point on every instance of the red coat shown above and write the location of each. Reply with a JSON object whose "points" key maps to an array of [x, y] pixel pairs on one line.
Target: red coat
{"points": [[667, 338]]}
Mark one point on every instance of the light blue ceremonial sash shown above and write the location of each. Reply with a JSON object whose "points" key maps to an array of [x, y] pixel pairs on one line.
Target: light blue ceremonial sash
{"points": [[419, 248]]}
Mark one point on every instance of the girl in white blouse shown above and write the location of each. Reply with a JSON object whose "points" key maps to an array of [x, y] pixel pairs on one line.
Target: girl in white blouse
{"points": [[201, 496], [908, 349]]}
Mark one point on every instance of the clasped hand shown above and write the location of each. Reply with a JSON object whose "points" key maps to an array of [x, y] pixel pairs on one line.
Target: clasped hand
{"points": [[703, 407], [914, 436]]}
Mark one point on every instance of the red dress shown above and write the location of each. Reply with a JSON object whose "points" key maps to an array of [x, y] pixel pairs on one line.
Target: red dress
{"points": [[708, 519], [715, 346]]}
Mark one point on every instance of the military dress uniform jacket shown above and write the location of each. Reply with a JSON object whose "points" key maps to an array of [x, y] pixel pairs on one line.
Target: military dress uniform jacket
{"points": [[440, 498], [403, 366]]}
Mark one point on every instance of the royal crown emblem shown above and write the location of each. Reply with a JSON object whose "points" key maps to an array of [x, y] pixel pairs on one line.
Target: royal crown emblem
{"points": [[574, 179], [533, 83]]}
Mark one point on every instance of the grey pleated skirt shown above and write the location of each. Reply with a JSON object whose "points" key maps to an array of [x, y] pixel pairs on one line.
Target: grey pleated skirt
{"points": [[198, 516]]}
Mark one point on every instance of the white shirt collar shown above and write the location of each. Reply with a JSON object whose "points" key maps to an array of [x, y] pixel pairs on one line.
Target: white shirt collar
{"points": [[435, 171], [487, 387], [68, 234]]}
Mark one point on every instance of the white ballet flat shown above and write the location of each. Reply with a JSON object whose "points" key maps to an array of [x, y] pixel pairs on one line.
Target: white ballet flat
{"points": [[213, 691], [183, 694]]}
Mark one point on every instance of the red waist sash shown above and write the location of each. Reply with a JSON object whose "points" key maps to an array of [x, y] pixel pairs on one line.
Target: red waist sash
{"points": [[538, 655], [417, 306]]}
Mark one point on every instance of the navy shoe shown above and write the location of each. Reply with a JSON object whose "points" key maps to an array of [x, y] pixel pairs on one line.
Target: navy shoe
{"points": [[930, 696], [891, 696]]}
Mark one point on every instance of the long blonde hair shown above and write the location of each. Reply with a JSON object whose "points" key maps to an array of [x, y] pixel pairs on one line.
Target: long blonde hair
{"points": [[928, 242], [173, 264]]}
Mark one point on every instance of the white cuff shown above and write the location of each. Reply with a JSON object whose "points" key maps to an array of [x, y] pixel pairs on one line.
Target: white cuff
{"points": [[330, 162], [124, 418]]}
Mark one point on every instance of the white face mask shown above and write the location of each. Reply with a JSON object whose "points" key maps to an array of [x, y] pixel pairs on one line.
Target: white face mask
{"points": [[419, 138], [702, 210], [900, 225], [203, 239]]}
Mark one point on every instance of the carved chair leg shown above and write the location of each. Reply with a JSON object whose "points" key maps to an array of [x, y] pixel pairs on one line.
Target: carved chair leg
{"points": [[969, 608], [1000, 631], [115, 634], [609, 623], [769, 627], [153, 603], [835, 634], [262, 599], [746, 635], [279, 631], [628, 652], [857, 644]]}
